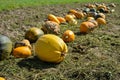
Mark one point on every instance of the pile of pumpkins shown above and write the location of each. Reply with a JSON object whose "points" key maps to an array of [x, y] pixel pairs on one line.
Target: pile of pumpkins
{"points": [[48, 46]]}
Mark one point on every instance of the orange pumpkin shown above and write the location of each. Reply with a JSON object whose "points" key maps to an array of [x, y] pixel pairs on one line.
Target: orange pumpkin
{"points": [[94, 22], [68, 36], [52, 17], [101, 21], [73, 11], [79, 15], [86, 27], [61, 19], [22, 52]]}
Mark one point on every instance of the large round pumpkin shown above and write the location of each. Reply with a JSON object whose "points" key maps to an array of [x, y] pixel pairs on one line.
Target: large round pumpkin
{"points": [[5, 47], [50, 48], [33, 34]]}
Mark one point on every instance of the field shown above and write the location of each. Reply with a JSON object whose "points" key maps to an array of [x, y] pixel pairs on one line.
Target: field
{"points": [[92, 56]]}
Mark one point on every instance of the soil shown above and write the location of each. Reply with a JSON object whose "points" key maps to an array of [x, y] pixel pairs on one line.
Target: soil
{"points": [[100, 49]]}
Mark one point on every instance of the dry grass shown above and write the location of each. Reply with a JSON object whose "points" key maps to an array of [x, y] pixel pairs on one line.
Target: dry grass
{"points": [[94, 56]]}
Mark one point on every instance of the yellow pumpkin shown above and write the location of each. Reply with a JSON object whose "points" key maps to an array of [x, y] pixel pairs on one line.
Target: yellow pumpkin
{"points": [[73, 22], [86, 27], [50, 48], [90, 18], [68, 36], [22, 52], [69, 17], [1, 78], [101, 21], [52, 17]]}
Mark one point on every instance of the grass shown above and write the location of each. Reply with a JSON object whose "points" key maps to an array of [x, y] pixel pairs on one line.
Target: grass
{"points": [[12, 4], [94, 56]]}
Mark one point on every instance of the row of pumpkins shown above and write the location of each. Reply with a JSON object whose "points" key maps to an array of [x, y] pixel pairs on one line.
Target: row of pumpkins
{"points": [[48, 46]]}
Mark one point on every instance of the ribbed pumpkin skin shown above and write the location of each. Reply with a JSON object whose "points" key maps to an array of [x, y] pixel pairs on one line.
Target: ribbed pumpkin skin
{"points": [[5, 47], [50, 48]]}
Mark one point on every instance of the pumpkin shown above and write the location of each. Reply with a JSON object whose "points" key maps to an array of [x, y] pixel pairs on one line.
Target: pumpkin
{"points": [[101, 21], [100, 15], [86, 27], [52, 17], [22, 52], [91, 14], [50, 27], [5, 47], [24, 42], [72, 22], [68, 36], [90, 18], [94, 22], [61, 19], [1, 78], [79, 15], [72, 11], [50, 48], [33, 34], [69, 17]]}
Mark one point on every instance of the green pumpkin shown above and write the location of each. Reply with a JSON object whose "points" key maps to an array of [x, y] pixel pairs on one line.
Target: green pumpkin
{"points": [[5, 47], [33, 34]]}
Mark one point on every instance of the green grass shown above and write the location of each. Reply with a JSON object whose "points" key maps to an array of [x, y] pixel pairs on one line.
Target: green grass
{"points": [[11, 4]]}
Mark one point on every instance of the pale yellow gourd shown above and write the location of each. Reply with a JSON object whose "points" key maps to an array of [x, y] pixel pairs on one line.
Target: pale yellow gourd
{"points": [[50, 48]]}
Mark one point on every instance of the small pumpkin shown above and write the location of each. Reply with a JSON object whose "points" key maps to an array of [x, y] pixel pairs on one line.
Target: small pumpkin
{"points": [[1, 78], [5, 47], [22, 52], [90, 18], [24, 42], [61, 19], [68, 36], [73, 22], [101, 21], [79, 15], [86, 27], [69, 17], [50, 27], [94, 22], [33, 34], [52, 17], [50, 48], [100, 15], [73, 11]]}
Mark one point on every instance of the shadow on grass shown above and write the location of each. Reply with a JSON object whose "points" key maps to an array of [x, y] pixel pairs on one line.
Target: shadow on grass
{"points": [[79, 33], [35, 63]]}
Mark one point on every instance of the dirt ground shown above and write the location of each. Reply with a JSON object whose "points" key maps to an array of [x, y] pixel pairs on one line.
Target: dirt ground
{"points": [[94, 56]]}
